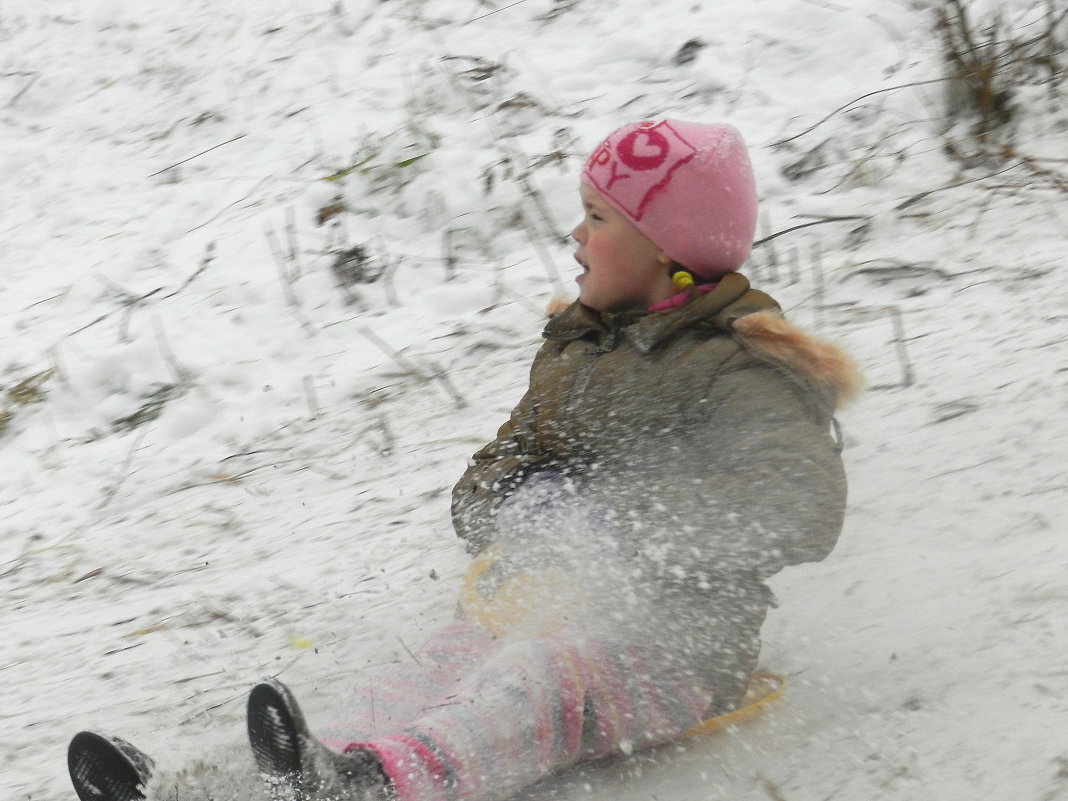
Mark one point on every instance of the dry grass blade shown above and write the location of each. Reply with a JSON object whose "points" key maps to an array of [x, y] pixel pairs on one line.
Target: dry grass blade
{"points": [[412, 368]]}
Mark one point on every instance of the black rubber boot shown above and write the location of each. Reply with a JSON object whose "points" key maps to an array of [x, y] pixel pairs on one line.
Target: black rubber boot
{"points": [[107, 768], [277, 733], [296, 765]]}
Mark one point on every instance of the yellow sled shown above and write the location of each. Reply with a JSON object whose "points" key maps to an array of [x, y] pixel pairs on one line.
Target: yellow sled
{"points": [[516, 604], [762, 690]]}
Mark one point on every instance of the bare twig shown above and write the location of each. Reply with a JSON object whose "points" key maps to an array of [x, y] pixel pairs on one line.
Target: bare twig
{"points": [[389, 442], [446, 382], [542, 207], [773, 254], [898, 323], [922, 195], [795, 265], [291, 239], [283, 269], [26, 87], [988, 200], [217, 214], [495, 11], [516, 296], [309, 393], [122, 473], [817, 270], [821, 221], [866, 313], [543, 253], [389, 287], [412, 368], [130, 300], [205, 262], [239, 697], [196, 156], [57, 296], [1059, 181], [221, 479], [182, 375], [853, 102], [449, 253], [404, 645], [944, 473]]}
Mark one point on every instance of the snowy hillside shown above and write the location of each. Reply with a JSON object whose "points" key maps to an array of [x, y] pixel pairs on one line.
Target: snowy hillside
{"points": [[272, 271]]}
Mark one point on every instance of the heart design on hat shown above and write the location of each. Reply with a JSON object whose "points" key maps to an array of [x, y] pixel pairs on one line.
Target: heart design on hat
{"points": [[643, 150], [687, 186]]}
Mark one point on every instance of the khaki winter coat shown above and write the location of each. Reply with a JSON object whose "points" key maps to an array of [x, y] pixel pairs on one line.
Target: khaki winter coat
{"points": [[705, 429]]}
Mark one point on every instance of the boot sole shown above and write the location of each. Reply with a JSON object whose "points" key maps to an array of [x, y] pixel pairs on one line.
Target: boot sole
{"points": [[275, 729], [101, 771]]}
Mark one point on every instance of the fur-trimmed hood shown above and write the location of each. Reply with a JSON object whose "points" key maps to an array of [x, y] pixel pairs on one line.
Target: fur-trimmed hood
{"points": [[770, 336]]}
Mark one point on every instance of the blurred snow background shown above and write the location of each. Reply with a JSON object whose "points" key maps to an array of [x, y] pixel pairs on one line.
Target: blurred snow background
{"points": [[272, 271]]}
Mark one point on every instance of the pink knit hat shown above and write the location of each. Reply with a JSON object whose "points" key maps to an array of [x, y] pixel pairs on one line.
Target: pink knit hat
{"points": [[686, 185]]}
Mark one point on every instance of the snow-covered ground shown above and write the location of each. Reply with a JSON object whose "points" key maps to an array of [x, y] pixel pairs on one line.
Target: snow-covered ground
{"points": [[220, 464]]}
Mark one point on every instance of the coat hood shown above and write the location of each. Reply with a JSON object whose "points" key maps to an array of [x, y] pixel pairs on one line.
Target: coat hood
{"points": [[773, 338]]}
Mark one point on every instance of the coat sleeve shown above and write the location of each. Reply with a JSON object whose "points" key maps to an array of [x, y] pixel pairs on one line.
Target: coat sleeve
{"points": [[494, 472], [782, 472], [753, 482]]}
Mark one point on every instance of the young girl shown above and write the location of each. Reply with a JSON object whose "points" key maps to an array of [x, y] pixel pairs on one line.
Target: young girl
{"points": [[671, 453]]}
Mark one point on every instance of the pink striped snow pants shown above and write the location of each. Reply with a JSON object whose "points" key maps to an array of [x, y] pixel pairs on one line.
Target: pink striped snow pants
{"points": [[476, 718]]}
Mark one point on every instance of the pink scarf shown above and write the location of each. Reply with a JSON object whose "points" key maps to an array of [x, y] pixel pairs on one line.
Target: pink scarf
{"points": [[680, 299]]}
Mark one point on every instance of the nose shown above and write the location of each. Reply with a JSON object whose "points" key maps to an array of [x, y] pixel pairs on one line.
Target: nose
{"points": [[578, 233]]}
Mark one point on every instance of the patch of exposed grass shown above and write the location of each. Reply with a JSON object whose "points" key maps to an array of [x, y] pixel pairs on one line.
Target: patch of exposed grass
{"points": [[151, 409], [26, 392], [29, 390], [988, 62]]}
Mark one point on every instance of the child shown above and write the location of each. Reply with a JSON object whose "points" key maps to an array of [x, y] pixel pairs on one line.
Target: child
{"points": [[670, 454]]}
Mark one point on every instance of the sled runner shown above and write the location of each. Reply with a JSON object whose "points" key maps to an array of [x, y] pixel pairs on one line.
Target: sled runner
{"points": [[518, 600], [762, 690]]}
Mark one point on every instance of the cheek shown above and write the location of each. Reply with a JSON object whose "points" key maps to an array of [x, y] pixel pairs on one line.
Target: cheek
{"points": [[605, 247]]}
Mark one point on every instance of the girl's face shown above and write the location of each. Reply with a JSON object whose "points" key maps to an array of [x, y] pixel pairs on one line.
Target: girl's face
{"points": [[621, 267]]}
